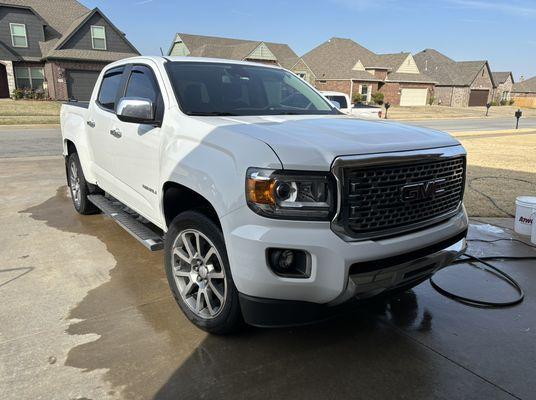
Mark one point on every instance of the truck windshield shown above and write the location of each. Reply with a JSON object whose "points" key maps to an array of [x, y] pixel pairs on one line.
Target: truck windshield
{"points": [[234, 89]]}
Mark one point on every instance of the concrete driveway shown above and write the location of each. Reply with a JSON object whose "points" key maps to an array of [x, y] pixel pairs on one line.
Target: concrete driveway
{"points": [[86, 314]]}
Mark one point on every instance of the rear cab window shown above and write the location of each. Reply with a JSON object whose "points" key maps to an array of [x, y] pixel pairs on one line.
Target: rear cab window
{"points": [[109, 89], [339, 99]]}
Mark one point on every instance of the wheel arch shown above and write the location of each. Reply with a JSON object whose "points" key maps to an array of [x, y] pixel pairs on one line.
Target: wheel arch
{"points": [[178, 198]]}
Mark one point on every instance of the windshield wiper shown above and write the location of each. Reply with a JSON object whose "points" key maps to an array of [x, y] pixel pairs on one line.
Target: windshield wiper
{"points": [[212, 114]]}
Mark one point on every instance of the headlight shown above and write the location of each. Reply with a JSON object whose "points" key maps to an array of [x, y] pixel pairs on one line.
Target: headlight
{"points": [[290, 194]]}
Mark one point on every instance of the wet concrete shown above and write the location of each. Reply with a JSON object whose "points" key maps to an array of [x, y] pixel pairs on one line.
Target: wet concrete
{"points": [[418, 345]]}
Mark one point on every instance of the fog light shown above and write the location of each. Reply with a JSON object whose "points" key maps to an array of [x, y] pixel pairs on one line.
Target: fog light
{"points": [[289, 263]]}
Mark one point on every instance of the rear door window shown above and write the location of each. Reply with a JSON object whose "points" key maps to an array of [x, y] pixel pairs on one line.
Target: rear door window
{"points": [[109, 89]]}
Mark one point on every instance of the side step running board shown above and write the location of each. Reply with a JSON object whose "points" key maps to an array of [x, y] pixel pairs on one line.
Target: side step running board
{"points": [[117, 211]]}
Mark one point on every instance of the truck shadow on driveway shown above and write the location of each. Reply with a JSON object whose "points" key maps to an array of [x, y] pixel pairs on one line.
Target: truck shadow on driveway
{"points": [[150, 350]]}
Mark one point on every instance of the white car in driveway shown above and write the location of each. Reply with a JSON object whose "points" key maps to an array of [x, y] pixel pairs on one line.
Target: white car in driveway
{"points": [[359, 110], [271, 206]]}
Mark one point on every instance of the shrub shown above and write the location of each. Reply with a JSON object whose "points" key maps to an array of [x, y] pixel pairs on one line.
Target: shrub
{"points": [[28, 94], [503, 102], [494, 103], [511, 102], [17, 94], [359, 98], [378, 98], [431, 100]]}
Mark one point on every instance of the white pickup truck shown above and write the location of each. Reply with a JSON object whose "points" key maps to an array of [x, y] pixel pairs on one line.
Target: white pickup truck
{"points": [[271, 206], [342, 102]]}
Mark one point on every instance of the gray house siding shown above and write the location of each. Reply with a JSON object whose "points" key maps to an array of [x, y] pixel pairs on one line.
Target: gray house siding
{"points": [[34, 30], [82, 38]]}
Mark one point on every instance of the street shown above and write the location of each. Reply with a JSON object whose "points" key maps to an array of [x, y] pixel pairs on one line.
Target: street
{"points": [[47, 141], [86, 313], [29, 142], [473, 124]]}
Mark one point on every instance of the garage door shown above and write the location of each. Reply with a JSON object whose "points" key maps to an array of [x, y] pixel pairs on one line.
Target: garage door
{"points": [[413, 97], [478, 98], [80, 84]]}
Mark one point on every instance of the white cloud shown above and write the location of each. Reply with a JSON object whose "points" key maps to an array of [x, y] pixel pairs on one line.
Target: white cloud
{"points": [[139, 3]]}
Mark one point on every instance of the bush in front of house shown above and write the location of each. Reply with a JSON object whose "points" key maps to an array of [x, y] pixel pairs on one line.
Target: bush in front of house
{"points": [[431, 100], [359, 98], [504, 102], [494, 103], [511, 102], [28, 94], [378, 98]]}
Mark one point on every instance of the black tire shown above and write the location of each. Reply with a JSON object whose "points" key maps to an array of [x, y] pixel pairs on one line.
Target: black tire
{"points": [[81, 203], [229, 316]]}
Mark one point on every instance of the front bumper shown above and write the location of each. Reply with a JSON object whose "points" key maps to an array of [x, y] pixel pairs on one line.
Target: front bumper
{"points": [[415, 268], [339, 269]]}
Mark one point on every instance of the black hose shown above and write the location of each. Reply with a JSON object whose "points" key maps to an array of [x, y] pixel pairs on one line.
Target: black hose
{"points": [[491, 199], [492, 270]]}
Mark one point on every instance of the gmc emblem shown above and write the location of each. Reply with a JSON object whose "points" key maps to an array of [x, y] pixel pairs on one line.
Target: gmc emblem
{"points": [[422, 190]]}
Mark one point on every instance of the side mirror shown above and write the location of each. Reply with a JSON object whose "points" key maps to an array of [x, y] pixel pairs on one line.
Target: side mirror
{"points": [[335, 104], [135, 109]]}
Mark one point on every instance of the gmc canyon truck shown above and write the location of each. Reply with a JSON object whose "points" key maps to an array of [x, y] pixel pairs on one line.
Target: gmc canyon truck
{"points": [[272, 207]]}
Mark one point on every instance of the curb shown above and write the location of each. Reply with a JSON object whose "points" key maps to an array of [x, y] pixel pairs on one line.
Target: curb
{"points": [[492, 132]]}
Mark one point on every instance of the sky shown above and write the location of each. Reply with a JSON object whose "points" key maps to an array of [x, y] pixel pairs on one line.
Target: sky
{"points": [[502, 32]]}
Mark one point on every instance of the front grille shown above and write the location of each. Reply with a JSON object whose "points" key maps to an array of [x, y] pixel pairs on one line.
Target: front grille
{"points": [[385, 199]]}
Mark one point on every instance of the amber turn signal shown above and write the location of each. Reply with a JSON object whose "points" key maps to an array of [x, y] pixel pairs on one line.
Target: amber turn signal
{"points": [[261, 191]]}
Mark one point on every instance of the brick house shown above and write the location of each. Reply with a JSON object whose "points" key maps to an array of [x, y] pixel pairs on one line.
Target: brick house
{"points": [[524, 93], [343, 65], [56, 46], [459, 83], [185, 44], [503, 84]]}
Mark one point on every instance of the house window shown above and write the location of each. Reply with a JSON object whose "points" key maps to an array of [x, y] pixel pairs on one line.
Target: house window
{"points": [[365, 92], [98, 37], [18, 35], [302, 75], [505, 96], [29, 78]]}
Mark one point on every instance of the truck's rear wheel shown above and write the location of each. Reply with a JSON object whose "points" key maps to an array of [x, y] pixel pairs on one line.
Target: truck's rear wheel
{"points": [[198, 273], [79, 187]]}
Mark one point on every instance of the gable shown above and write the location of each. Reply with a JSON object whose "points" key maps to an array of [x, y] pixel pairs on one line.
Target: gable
{"points": [[179, 48], [358, 66], [262, 52], [409, 66], [81, 38], [483, 78], [34, 30]]}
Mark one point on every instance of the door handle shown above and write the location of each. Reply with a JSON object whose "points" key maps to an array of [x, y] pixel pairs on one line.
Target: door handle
{"points": [[91, 123], [116, 133]]}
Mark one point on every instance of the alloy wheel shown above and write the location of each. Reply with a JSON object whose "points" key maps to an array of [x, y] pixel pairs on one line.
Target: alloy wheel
{"points": [[199, 273], [74, 181]]}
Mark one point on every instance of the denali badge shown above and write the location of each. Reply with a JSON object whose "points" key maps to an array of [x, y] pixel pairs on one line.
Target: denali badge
{"points": [[422, 190]]}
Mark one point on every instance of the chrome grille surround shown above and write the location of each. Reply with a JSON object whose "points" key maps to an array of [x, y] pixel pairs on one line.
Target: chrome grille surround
{"points": [[373, 208]]}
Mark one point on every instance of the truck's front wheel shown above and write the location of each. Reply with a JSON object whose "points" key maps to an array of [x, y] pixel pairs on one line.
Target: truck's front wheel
{"points": [[198, 273]]}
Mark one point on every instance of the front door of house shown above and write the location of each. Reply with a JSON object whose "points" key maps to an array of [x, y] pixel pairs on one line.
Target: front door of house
{"points": [[4, 87]]}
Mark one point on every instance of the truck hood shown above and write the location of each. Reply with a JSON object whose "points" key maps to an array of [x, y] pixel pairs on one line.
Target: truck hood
{"points": [[313, 142]]}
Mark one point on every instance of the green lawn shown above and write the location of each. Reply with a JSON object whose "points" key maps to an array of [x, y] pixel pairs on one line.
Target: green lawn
{"points": [[29, 112]]}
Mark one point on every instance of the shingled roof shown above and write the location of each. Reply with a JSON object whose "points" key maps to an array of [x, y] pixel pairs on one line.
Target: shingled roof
{"points": [[62, 18], [527, 86], [340, 58], [233, 49], [445, 70], [501, 77]]}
